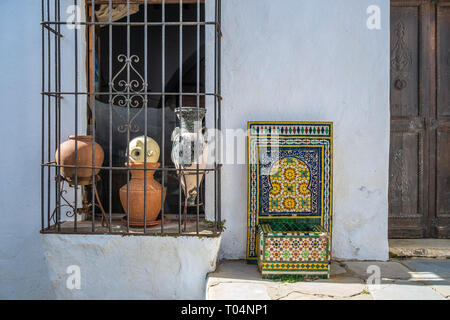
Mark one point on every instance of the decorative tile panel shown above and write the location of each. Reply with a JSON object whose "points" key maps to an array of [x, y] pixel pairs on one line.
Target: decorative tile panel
{"points": [[293, 253], [289, 179]]}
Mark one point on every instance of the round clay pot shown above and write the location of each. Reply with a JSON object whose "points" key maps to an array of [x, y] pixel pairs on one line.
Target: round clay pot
{"points": [[84, 155], [136, 195]]}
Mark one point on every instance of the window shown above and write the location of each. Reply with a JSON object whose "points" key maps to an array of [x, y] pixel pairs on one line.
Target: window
{"points": [[141, 68]]}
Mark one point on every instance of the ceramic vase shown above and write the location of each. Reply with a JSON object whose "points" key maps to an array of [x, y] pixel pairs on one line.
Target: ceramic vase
{"points": [[84, 155], [136, 195], [189, 149]]}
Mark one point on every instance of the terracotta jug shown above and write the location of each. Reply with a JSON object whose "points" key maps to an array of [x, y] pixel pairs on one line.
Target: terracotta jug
{"points": [[84, 155], [136, 195]]}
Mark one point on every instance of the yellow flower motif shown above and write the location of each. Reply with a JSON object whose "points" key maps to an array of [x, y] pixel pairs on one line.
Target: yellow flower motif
{"points": [[289, 203], [276, 188], [289, 179], [303, 189], [289, 174]]}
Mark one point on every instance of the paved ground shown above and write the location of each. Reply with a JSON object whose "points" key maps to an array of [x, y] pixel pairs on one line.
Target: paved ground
{"points": [[429, 248], [415, 278]]}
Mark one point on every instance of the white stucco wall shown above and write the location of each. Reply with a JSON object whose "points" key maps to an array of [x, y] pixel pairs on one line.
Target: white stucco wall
{"points": [[313, 61], [23, 273], [131, 267]]}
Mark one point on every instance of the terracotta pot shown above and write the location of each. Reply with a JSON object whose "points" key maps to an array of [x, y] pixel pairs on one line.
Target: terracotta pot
{"points": [[84, 155], [136, 195]]}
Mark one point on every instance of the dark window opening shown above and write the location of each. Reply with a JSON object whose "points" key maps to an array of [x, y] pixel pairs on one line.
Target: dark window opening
{"points": [[154, 72]]}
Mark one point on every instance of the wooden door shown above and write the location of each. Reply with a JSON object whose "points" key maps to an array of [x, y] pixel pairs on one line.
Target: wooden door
{"points": [[440, 127], [419, 170]]}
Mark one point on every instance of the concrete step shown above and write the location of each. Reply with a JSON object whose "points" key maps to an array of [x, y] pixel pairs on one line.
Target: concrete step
{"points": [[426, 248], [417, 279], [237, 280]]}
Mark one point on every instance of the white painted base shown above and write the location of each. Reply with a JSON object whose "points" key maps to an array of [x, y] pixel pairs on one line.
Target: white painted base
{"points": [[130, 267]]}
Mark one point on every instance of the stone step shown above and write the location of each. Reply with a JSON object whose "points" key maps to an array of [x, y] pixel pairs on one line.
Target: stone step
{"points": [[429, 248]]}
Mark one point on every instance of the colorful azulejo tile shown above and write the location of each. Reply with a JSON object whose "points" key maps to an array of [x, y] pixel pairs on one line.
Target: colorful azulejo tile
{"points": [[292, 249], [293, 253], [290, 178]]}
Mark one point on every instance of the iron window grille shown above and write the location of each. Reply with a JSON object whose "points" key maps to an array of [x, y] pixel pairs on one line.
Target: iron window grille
{"points": [[73, 207]]}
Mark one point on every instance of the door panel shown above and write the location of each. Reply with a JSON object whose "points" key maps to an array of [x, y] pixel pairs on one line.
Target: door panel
{"points": [[404, 187], [443, 61], [404, 61], [408, 190], [441, 123], [419, 185], [443, 174]]}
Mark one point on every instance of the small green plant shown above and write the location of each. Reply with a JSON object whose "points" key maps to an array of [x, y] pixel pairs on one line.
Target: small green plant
{"points": [[288, 278], [220, 225], [292, 280]]}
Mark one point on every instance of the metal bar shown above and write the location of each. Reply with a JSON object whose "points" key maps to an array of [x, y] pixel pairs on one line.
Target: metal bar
{"points": [[43, 121], [180, 102], [94, 42], [52, 164], [75, 224], [216, 125], [219, 107], [58, 110], [135, 23], [198, 114], [110, 115], [56, 95], [163, 106], [128, 114], [145, 118], [179, 200], [46, 26], [155, 234], [153, 93], [48, 112]]}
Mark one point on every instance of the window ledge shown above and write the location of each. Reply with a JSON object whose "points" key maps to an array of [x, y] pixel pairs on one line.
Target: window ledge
{"points": [[171, 228]]}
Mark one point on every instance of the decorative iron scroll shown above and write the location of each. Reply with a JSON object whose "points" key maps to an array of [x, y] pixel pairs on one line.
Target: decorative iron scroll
{"points": [[128, 93], [70, 212], [70, 207]]}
